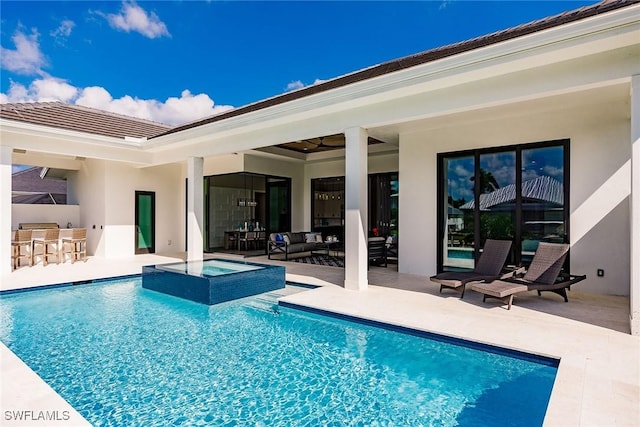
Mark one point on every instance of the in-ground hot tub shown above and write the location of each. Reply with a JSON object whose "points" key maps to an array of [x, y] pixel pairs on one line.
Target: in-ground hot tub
{"points": [[213, 281]]}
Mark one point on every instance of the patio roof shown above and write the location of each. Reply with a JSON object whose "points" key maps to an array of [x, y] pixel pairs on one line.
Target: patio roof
{"points": [[82, 119], [102, 123], [417, 59]]}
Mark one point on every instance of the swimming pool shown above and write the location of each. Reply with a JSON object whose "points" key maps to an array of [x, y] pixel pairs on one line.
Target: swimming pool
{"points": [[122, 355], [460, 253]]}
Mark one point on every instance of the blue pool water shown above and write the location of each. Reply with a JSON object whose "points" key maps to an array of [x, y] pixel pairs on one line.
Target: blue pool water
{"points": [[460, 253], [212, 267], [123, 355]]}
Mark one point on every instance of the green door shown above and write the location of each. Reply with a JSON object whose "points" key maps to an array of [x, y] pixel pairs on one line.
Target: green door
{"points": [[145, 222]]}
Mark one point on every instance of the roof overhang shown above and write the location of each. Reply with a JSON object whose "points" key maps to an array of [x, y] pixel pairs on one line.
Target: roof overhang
{"points": [[591, 53], [31, 138], [387, 99]]}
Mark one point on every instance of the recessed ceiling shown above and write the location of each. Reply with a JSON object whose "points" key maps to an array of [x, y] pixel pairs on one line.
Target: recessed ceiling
{"points": [[320, 144]]}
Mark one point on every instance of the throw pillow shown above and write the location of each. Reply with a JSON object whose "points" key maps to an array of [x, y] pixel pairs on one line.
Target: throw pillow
{"points": [[310, 238], [286, 239], [279, 237], [319, 238]]}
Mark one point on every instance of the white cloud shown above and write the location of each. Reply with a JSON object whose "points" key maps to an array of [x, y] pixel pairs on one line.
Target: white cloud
{"points": [[26, 59], [134, 18], [294, 85], [54, 89], [175, 110], [63, 31], [444, 4], [42, 90]]}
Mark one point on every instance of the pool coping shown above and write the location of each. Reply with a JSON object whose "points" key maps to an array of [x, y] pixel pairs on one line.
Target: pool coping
{"points": [[597, 381], [464, 342]]}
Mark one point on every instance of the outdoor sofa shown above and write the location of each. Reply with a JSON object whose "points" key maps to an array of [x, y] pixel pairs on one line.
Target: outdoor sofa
{"points": [[294, 242]]}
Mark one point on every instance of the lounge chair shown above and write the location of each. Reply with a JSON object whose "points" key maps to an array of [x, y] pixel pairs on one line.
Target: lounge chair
{"points": [[542, 275], [489, 268]]}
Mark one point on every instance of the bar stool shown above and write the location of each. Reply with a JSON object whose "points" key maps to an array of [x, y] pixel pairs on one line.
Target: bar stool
{"points": [[75, 246], [51, 241], [22, 240]]}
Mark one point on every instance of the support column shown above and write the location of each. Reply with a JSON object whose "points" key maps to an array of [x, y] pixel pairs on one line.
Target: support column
{"points": [[5, 208], [634, 215], [194, 208], [356, 218]]}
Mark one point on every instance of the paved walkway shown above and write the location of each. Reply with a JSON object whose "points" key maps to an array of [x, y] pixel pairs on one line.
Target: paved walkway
{"points": [[598, 381]]}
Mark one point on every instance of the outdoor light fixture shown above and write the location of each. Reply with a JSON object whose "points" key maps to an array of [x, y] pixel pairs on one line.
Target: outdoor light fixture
{"points": [[247, 201]]}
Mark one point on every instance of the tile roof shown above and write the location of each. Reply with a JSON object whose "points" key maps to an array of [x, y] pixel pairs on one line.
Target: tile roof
{"points": [[543, 189], [82, 119], [419, 59], [29, 180]]}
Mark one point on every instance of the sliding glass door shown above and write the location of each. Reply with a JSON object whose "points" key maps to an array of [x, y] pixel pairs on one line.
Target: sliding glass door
{"points": [[278, 210], [457, 223], [383, 204], [516, 193]]}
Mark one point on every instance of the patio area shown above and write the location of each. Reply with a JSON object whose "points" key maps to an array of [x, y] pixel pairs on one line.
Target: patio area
{"points": [[598, 381]]}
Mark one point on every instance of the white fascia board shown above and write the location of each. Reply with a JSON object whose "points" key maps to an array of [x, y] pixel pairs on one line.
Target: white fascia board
{"points": [[45, 139], [48, 160], [602, 32]]}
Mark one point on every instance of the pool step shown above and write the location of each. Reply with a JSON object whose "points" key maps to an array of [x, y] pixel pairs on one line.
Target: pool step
{"points": [[264, 302]]}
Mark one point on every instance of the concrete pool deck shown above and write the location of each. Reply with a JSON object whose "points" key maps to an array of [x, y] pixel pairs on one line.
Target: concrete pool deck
{"points": [[598, 381]]}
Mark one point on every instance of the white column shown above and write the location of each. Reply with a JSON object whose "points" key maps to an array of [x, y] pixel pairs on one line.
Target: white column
{"points": [[194, 208], [5, 209], [635, 207], [355, 229]]}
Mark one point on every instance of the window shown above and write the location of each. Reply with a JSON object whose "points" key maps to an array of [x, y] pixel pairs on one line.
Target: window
{"points": [[518, 193], [327, 206]]}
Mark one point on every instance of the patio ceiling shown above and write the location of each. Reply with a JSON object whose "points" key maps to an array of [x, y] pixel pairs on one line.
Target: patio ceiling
{"points": [[320, 144]]}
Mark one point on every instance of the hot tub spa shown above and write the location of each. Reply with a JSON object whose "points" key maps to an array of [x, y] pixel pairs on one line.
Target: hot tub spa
{"points": [[213, 281]]}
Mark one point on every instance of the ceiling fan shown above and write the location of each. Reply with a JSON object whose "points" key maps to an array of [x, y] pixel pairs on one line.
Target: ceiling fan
{"points": [[321, 143]]}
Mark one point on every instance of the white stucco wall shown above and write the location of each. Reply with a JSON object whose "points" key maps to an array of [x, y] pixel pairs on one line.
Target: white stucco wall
{"points": [[60, 214], [218, 165], [600, 184], [293, 170], [106, 194], [87, 188]]}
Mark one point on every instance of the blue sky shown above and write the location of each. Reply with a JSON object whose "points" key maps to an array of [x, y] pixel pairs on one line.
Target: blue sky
{"points": [[177, 61]]}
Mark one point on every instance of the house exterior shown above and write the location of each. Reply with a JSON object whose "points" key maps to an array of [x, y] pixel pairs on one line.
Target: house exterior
{"points": [[567, 85]]}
